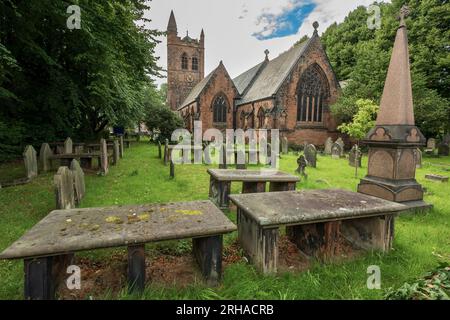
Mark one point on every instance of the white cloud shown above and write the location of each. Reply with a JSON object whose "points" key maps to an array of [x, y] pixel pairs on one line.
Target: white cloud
{"points": [[229, 26]]}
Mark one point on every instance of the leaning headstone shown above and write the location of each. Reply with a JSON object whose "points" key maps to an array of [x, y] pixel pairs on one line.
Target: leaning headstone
{"points": [[301, 169], [121, 146], [418, 158], [354, 157], [116, 152], [68, 146], [336, 151], [159, 150], [311, 155], [328, 145], [431, 144], [284, 145], [45, 155], [443, 149], [78, 181], [30, 161], [64, 189], [104, 165]]}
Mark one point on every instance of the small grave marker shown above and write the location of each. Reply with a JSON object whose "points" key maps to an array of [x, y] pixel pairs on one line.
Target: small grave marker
{"points": [[78, 181], [436, 177], [336, 151], [104, 164], [30, 161], [328, 145], [64, 190], [354, 158], [45, 155], [311, 155], [302, 164], [68, 146]]}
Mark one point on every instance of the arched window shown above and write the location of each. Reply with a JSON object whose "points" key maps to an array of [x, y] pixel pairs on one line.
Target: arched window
{"points": [[220, 107], [184, 61], [195, 63], [312, 94], [261, 117]]}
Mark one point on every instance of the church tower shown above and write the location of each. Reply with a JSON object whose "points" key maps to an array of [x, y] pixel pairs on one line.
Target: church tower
{"points": [[185, 63]]}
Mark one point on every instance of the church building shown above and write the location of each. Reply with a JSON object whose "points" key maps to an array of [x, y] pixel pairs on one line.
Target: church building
{"points": [[291, 92]]}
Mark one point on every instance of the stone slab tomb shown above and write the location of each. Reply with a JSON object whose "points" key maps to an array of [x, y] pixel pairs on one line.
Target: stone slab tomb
{"points": [[64, 232], [318, 222]]}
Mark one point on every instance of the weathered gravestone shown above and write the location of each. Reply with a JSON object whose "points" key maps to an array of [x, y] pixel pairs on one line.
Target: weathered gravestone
{"points": [[64, 190], [45, 155], [341, 143], [116, 152], [121, 146], [336, 151], [328, 145], [302, 163], [418, 158], [78, 181], [354, 157], [311, 155], [443, 149], [431, 144], [30, 161], [68, 146], [284, 145], [159, 150], [104, 165], [436, 177]]}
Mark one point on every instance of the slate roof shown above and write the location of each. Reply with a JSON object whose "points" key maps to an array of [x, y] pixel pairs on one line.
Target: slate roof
{"points": [[197, 90], [243, 81], [271, 77]]}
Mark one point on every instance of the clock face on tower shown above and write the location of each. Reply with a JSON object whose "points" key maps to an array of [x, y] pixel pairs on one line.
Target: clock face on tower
{"points": [[189, 78]]}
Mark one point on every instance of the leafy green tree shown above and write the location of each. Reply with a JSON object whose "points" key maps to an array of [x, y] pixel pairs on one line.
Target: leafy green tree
{"points": [[361, 56], [363, 120], [56, 82]]}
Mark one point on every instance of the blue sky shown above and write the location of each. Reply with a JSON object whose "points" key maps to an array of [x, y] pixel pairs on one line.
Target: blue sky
{"points": [[239, 31], [287, 23]]}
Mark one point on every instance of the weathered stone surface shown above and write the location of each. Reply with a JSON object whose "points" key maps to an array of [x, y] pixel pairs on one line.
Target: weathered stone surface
{"points": [[284, 145], [443, 149], [251, 175], [418, 157], [45, 157], [431, 144], [75, 230], [337, 151], [116, 152], [64, 188], [341, 143], [302, 163], [311, 155], [308, 206], [30, 161], [328, 145], [68, 146], [78, 181], [436, 177], [104, 163], [354, 157]]}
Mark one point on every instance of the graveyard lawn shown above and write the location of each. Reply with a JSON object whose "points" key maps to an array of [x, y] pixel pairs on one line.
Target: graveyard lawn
{"points": [[422, 241]]}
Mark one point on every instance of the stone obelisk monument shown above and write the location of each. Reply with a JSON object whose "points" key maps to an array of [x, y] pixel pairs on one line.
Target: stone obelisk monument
{"points": [[395, 138]]}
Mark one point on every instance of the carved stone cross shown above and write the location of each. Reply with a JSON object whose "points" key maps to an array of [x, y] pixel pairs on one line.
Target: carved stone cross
{"points": [[404, 12]]}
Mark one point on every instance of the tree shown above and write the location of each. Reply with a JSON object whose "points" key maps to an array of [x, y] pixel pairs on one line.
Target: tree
{"points": [[363, 120], [361, 56], [56, 82]]}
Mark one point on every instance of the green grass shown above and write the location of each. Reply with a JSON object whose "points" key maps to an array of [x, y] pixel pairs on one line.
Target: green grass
{"points": [[421, 241]]}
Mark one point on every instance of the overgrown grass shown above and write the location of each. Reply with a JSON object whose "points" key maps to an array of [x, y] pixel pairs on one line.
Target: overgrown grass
{"points": [[421, 241]]}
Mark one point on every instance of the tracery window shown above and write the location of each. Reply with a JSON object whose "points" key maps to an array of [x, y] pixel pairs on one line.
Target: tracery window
{"points": [[220, 107], [184, 61], [312, 95], [195, 63]]}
